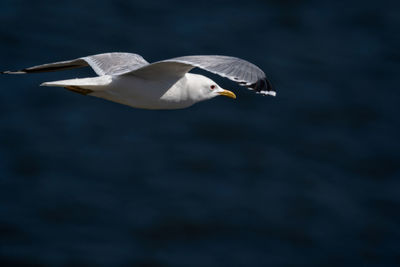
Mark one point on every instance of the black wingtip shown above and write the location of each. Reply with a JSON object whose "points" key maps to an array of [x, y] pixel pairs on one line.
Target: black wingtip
{"points": [[13, 72], [263, 86]]}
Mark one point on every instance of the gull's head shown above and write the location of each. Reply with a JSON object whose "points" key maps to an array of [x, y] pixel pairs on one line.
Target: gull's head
{"points": [[203, 88]]}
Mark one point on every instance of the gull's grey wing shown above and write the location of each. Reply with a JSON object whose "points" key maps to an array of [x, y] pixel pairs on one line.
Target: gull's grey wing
{"points": [[102, 64], [235, 69], [115, 63]]}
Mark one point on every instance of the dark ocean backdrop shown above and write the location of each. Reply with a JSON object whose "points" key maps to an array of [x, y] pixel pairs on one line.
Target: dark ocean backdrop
{"points": [[309, 177]]}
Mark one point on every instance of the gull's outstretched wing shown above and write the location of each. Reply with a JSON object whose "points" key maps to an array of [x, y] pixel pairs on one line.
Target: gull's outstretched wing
{"points": [[235, 69], [102, 64]]}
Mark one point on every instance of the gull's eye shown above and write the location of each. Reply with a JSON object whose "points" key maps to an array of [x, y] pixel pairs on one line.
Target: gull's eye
{"points": [[212, 87]]}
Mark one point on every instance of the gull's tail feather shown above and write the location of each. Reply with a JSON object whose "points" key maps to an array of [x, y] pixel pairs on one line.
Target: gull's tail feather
{"points": [[94, 84]]}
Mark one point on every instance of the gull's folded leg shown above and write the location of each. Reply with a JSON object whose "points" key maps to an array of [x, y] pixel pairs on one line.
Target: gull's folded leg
{"points": [[79, 90]]}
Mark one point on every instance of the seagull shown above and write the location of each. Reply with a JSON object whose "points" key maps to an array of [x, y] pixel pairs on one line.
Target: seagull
{"points": [[128, 79]]}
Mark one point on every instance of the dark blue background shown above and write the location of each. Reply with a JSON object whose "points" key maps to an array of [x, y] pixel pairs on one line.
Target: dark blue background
{"points": [[309, 177]]}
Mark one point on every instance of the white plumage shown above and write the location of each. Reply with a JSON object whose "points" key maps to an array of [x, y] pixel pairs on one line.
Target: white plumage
{"points": [[130, 80]]}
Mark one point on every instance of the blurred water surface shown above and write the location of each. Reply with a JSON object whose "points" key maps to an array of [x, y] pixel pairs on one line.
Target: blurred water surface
{"points": [[308, 177]]}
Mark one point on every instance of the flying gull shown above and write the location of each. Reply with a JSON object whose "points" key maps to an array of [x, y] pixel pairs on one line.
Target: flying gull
{"points": [[129, 79]]}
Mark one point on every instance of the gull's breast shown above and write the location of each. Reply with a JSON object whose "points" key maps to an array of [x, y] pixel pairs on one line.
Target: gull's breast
{"points": [[147, 94]]}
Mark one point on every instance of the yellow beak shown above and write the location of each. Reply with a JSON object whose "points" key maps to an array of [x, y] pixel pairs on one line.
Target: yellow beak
{"points": [[227, 93]]}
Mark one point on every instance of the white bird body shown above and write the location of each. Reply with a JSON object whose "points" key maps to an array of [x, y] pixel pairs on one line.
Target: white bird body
{"points": [[143, 93], [128, 79]]}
